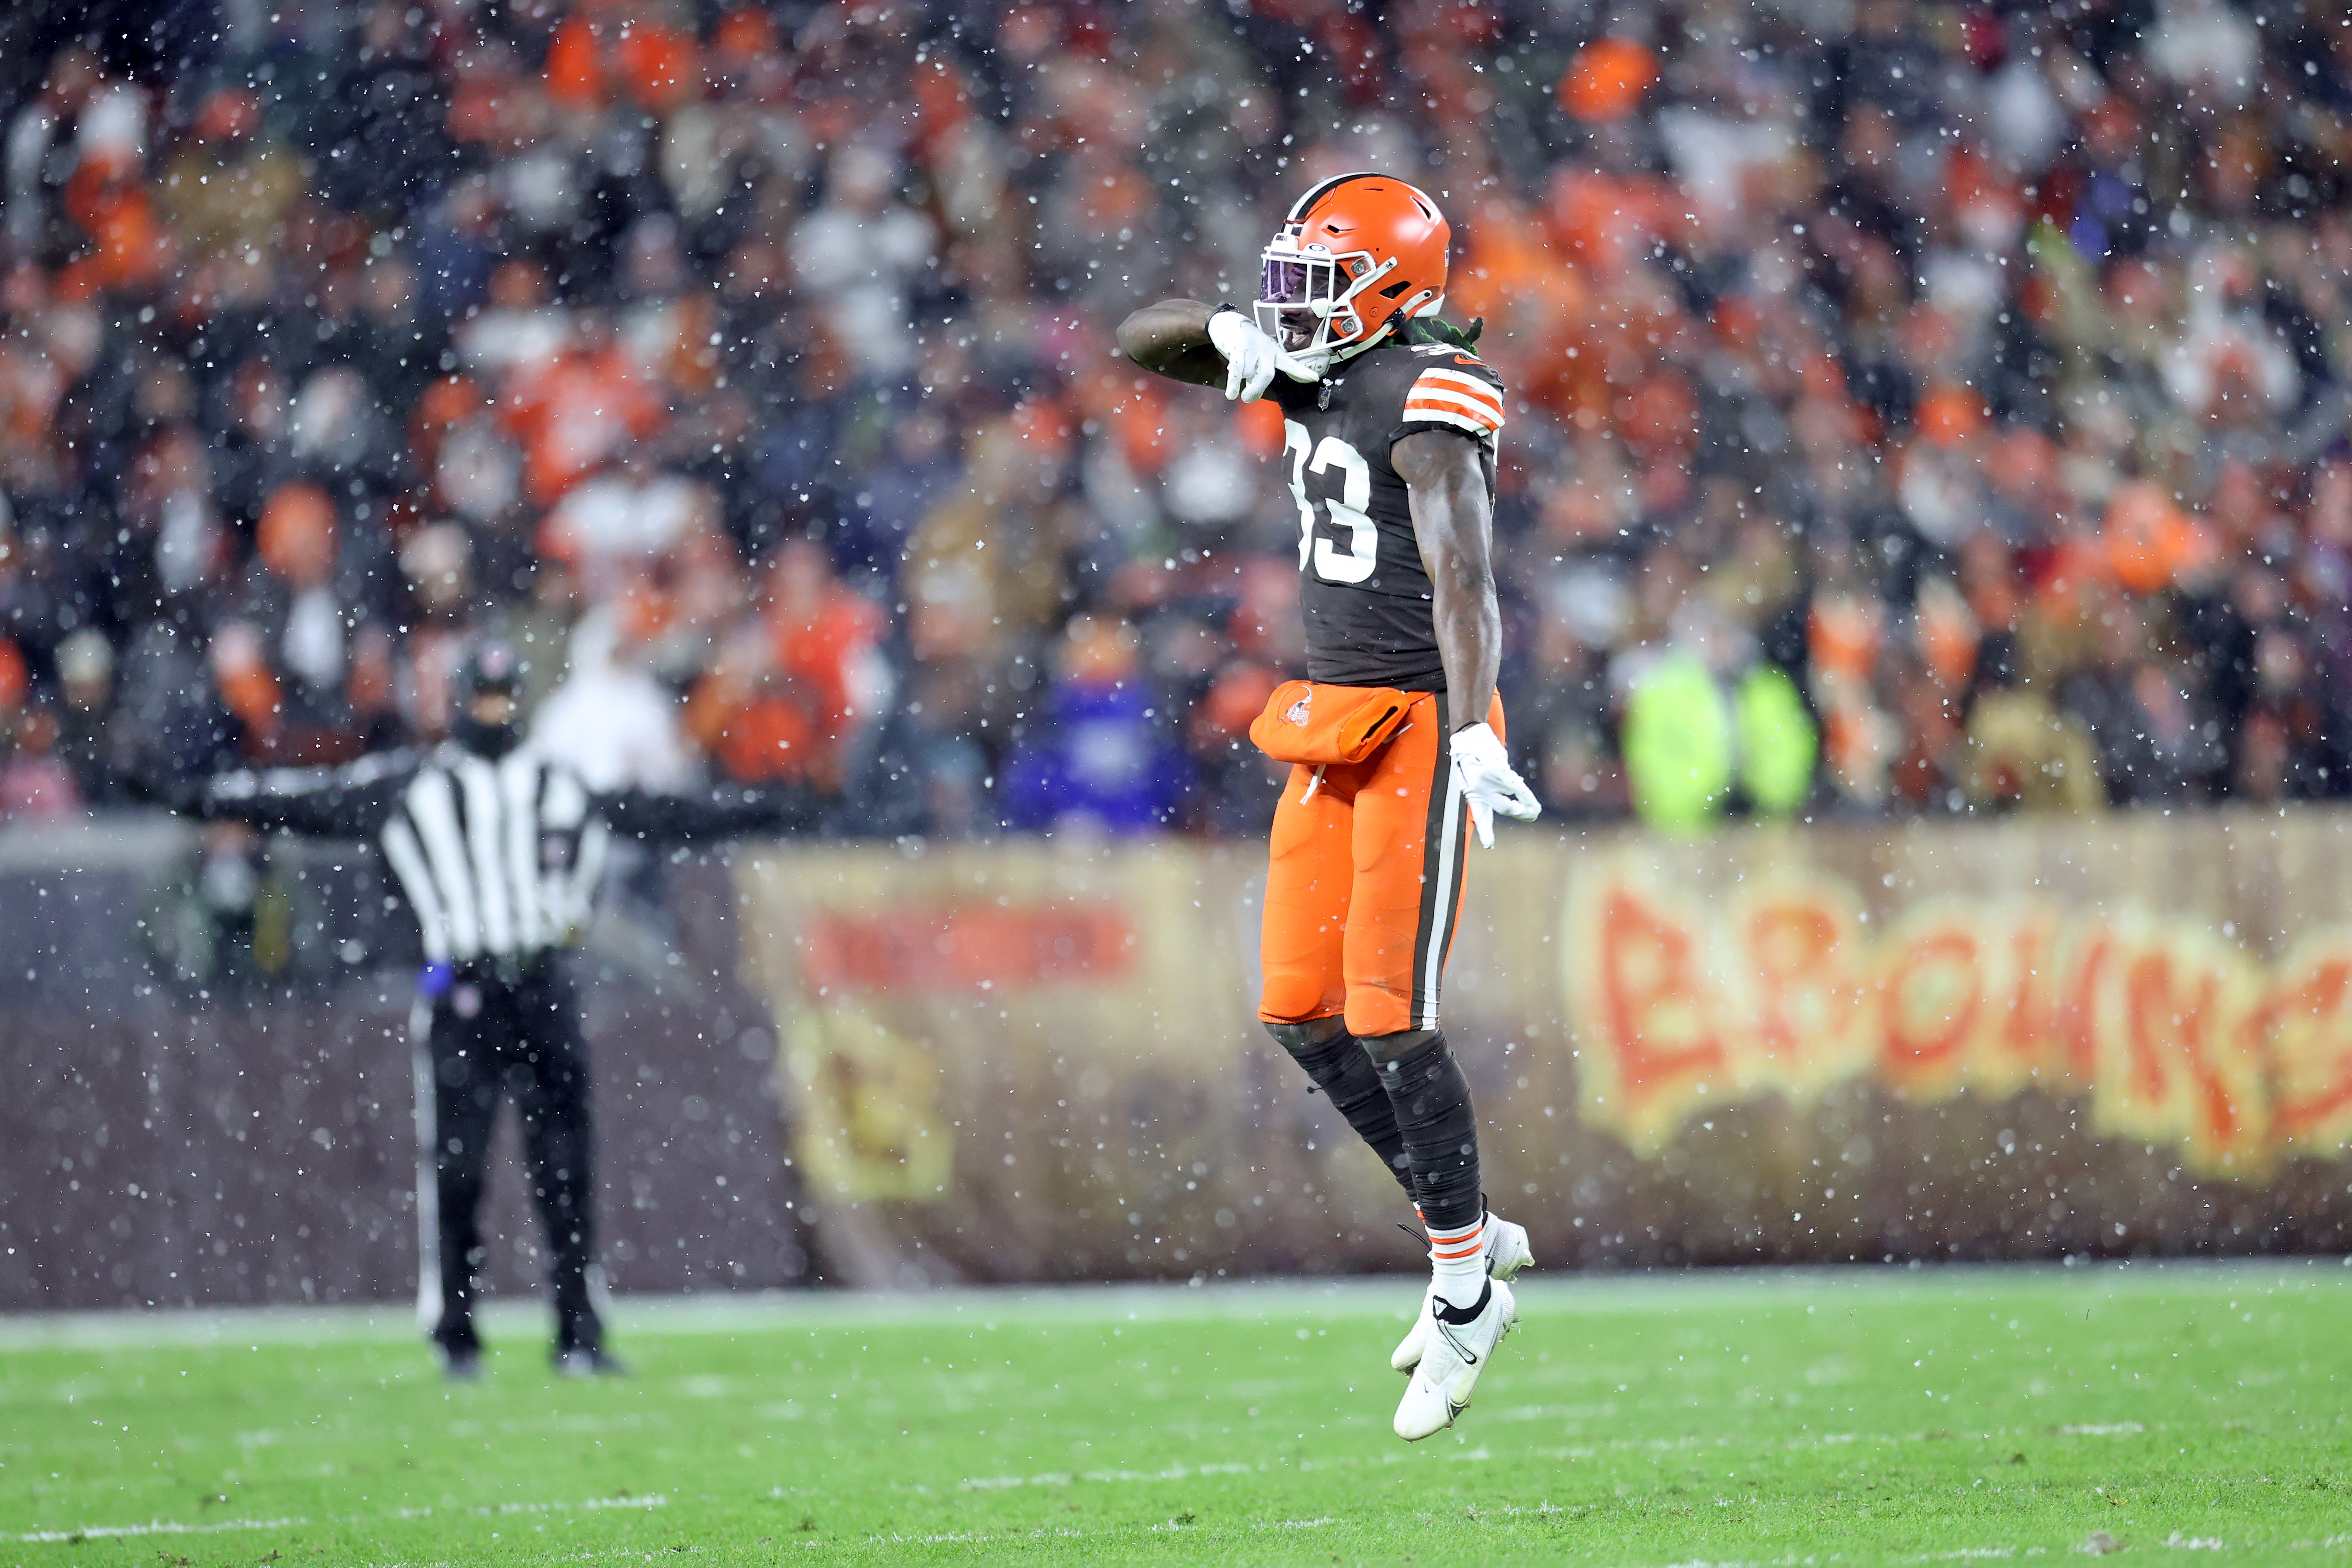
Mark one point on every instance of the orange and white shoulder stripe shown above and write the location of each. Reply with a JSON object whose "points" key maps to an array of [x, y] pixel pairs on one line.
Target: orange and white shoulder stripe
{"points": [[1450, 397]]}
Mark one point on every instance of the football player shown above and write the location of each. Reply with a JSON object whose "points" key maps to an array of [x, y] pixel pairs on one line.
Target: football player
{"points": [[1389, 424]]}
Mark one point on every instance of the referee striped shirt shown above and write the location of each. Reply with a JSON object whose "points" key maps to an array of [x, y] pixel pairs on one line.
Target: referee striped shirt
{"points": [[498, 857]]}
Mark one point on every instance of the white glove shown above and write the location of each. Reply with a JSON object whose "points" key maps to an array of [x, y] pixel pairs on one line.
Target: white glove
{"points": [[1487, 782], [1251, 356]]}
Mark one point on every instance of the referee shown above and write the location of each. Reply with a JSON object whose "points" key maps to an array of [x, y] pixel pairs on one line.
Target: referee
{"points": [[499, 851]]}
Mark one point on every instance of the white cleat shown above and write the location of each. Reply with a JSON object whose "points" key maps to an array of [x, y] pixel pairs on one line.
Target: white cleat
{"points": [[1507, 1253], [1449, 1364]]}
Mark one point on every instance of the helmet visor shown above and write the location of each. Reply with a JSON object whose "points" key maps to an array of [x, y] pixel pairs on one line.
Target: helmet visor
{"points": [[1289, 282], [1284, 283]]}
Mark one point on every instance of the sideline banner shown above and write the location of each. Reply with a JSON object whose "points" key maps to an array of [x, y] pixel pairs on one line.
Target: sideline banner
{"points": [[2004, 1039], [2189, 987], [1031, 1062]]}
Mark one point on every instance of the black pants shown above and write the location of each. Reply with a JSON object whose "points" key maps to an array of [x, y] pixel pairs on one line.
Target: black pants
{"points": [[484, 1036]]}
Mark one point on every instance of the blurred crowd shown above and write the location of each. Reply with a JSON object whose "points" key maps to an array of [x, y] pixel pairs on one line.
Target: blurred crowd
{"points": [[1972, 369]]}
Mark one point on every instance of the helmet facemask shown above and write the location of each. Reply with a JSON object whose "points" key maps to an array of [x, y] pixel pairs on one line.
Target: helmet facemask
{"points": [[1307, 301]]}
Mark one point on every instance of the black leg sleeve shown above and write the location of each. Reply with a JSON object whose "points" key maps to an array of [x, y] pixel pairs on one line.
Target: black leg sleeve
{"points": [[1440, 1131], [552, 1061], [1345, 1076], [463, 1105]]}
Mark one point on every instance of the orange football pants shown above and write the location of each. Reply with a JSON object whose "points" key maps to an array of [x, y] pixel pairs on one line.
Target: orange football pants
{"points": [[1364, 882]]}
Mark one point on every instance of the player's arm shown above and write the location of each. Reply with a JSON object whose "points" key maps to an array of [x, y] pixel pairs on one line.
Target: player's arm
{"points": [[1452, 521], [1207, 345], [1453, 524]]}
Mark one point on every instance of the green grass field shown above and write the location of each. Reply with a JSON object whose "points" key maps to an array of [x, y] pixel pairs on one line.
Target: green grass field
{"points": [[1860, 1416]]}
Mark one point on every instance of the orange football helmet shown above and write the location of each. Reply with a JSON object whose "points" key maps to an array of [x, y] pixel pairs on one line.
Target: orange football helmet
{"points": [[1356, 255]]}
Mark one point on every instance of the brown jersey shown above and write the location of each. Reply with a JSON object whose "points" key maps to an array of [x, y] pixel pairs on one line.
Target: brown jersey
{"points": [[1364, 592]]}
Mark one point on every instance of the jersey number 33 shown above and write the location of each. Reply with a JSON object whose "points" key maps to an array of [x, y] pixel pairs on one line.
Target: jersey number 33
{"points": [[1349, 549]]}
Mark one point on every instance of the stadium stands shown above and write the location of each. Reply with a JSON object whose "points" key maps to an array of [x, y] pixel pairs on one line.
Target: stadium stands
{"points": [[1978, 366]]}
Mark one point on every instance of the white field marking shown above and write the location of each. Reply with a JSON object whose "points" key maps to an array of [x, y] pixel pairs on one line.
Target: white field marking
{"points": [[155, 1527], [2108, 1430], [2180, 1543], [492, 1511], [480, 1510], [1064, 1478], [1674, 1292], [1172, 1473], [995, 1483]]}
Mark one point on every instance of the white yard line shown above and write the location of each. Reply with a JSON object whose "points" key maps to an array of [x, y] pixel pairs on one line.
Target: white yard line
{"points": [[214, 1526], [154, 1527]]}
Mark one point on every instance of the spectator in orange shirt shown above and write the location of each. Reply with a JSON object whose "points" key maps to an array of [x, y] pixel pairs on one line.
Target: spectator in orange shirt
{"points": [[575, 413], [631, 49], [800, 683]]}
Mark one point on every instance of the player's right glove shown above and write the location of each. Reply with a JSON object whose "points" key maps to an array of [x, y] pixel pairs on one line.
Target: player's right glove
{"points": [[1488, 783], [1251, 356]]}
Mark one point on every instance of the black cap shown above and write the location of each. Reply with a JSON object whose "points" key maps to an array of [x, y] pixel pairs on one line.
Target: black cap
{"points": [[490, 666]]}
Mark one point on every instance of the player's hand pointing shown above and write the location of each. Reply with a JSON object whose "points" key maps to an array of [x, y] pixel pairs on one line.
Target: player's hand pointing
{"points": [[1251, 356], [1488, 783]]}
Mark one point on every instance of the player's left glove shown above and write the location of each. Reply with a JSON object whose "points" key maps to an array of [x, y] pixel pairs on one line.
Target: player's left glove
{"points": [[1488, 783]]}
